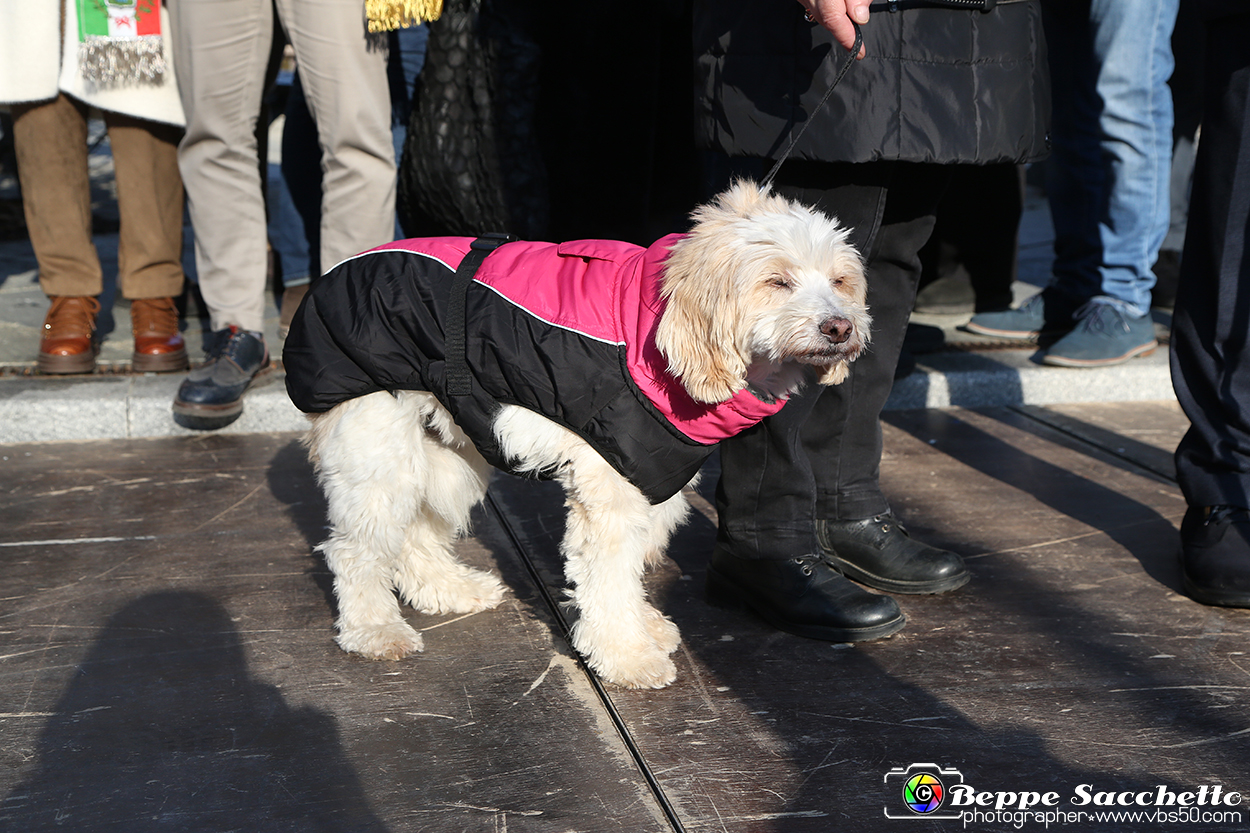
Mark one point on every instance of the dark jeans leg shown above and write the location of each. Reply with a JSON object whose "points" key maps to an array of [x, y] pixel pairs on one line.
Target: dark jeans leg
{"points": [[978, 228], [302, 178], [1075, 174], [1211, 323], [820, 456]]}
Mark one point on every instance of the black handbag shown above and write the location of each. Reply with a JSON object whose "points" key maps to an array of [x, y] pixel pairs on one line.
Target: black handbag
{"points": [[471, 162]]}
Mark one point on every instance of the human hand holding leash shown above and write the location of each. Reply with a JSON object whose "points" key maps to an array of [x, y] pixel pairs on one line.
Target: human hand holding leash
{"points": [[837, 17]]}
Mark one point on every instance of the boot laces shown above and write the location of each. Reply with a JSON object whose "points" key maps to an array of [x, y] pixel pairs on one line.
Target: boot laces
{"points": [[1230, 514], [889, 520], [222, 341], [154, 315], [71, 316], [1102, 317], [808, 563]]}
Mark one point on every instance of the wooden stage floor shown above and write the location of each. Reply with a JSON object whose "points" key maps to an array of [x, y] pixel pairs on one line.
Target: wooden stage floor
{"points": [[166, 656]]}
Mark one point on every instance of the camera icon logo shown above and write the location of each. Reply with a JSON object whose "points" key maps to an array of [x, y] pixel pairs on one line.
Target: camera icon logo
{"points": [[923, 789]]}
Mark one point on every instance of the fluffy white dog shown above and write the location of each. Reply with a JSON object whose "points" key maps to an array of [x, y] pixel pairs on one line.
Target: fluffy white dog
{"points": [[760, 297]]}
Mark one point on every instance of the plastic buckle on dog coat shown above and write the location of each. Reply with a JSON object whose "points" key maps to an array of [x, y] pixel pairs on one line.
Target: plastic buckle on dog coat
{"points": [[490, 241]]}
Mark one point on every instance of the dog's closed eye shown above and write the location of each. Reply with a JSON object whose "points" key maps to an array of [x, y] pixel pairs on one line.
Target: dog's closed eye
{"points": [[780, 281], [838, 280]]}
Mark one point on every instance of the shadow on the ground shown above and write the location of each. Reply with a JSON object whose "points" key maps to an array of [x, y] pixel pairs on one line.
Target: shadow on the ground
{"points": [[164, 728]]}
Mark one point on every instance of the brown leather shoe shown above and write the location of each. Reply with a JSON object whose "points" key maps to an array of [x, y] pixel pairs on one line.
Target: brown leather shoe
{"points": [[68, 344], [159, 346]]}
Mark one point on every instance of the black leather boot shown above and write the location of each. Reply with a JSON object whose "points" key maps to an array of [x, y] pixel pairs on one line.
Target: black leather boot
{"points": [[802, 595], [1215, 555], [880, 553]]}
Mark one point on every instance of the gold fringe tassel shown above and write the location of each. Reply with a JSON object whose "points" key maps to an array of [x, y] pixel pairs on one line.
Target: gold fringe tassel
{"points": [[385, 15]]}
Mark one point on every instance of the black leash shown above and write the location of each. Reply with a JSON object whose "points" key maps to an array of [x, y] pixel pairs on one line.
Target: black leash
{"points": [[850, 59]]}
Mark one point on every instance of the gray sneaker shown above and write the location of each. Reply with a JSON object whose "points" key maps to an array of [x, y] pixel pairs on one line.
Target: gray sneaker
{"points": [[1105, 334]]}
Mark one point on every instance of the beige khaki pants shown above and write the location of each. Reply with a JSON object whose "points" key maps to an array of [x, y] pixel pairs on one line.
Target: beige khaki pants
{"points": [[221, 52]]}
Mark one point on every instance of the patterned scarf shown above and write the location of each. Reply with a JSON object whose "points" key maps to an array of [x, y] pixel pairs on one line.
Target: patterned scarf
{"points": [[119, 41]]}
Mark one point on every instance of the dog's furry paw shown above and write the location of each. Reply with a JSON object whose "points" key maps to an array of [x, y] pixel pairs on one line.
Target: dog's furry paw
{"points": [[391, 641], [651, 669], [467, 591], [662, 629], [630, 663]]}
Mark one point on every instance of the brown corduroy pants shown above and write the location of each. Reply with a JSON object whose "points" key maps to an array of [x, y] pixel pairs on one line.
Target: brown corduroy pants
{"points": [[51, 142]]}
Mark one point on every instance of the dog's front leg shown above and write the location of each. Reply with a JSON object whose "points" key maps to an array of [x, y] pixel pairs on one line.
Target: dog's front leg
{"points": [[665, 518], [611, 532]]}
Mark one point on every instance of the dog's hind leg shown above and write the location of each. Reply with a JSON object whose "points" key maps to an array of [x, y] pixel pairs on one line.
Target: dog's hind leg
{"points": [[369, 455], [428, 574]]}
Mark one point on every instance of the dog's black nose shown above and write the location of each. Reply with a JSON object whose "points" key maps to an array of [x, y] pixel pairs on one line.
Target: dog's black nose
{"points": [[837, 330]]}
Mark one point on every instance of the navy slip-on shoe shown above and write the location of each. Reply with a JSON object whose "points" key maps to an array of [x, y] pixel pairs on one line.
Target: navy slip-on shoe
{"points": [[211, 396]]}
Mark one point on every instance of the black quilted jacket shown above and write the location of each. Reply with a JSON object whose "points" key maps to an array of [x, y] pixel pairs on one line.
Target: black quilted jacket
{"points": [[938, 85]]}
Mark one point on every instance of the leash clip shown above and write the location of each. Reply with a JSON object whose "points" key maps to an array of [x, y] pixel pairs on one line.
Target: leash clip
{"points": [[491, 240]]}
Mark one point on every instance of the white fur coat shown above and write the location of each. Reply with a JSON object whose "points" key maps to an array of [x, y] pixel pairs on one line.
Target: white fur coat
{"points": [[35, 64]]}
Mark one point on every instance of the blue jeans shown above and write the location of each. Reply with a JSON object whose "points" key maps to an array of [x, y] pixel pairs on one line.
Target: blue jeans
{"points": [[1109, 173]]}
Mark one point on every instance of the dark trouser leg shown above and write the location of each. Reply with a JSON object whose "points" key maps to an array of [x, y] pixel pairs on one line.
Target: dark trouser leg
{"points": [[1075, 176], [982, 218], [976, 237], [1211, 323], [1210, 359], [820, 456]]}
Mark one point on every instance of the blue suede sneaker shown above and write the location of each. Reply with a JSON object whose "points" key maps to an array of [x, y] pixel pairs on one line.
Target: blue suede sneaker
{"points": [[1105, 334], [1046, 312], [211, 396]]}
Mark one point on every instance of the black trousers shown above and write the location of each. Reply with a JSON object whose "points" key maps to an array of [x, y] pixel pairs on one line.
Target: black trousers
{"points": [[1211, 323], [820, 456]]}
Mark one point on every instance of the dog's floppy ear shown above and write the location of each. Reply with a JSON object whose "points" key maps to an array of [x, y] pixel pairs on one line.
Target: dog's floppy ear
{"points": [[698, 332], [700, 349]]}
